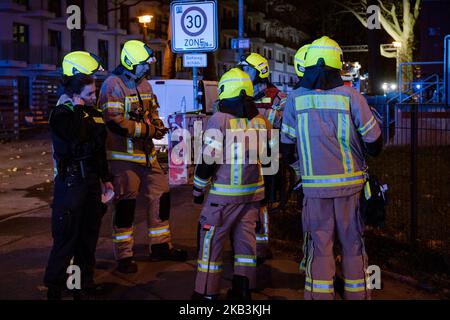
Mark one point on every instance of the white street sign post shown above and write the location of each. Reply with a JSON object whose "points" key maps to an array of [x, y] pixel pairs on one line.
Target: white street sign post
{"points": [[194, 29], [194, 26], [195, 60]]}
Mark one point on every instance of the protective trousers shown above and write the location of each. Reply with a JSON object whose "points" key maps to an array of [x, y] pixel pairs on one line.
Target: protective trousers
{"points": [[262, 232], [77, 212], [129, 180], [323, 219], [217, 222]]}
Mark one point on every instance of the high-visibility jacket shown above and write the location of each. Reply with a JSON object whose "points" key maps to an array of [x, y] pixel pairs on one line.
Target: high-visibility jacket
{"points": [[327, 127], [128, 109], [271, 106], [236, 180]]}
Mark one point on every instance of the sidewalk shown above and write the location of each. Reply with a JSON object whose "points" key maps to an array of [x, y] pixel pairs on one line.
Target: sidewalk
{"points": [[26, 175], [25, 242]]}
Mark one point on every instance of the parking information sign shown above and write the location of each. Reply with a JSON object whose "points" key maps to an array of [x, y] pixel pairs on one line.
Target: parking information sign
{"points": [[194, 26]]}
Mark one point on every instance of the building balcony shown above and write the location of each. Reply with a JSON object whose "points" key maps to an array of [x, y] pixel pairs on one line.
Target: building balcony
{"points": [[39, 14], [290, 69], [96, 27], [43, 57], [59, 20], [11, 7], [115, 32], [281, 41], [276, 66]]}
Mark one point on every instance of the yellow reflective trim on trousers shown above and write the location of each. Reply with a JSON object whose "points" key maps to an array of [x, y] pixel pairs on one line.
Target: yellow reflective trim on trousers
{"points": [[122, 234], [343, 136], [357, 281], [209, 267], [329, 282], [322, 101], [319, 290], [207, 243], [305, 147]]}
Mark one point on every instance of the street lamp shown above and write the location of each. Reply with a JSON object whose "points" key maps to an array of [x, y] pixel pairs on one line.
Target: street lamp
{"points": [[145, 20]]}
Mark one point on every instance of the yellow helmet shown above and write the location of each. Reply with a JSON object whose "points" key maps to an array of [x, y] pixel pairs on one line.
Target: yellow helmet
{"points": [[81, 62], [135, 52], [233, 82], [299, 60], [258, 62], [326, 49]]}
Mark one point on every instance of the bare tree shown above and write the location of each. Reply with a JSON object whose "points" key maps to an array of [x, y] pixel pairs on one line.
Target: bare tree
{"points": [[399, 24]]}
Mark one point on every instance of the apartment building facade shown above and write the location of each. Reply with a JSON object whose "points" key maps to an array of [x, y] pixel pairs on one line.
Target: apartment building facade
{"points": [[35, 37]]}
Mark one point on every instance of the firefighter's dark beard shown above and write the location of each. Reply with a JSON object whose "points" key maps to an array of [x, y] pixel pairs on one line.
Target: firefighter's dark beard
{"points": [[240, 107]]}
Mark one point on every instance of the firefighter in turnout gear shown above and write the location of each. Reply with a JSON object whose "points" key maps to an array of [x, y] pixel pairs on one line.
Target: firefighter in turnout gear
{"points": [[79, 137], [331, 124], [269, 101], [130, 110], [236, 190]]}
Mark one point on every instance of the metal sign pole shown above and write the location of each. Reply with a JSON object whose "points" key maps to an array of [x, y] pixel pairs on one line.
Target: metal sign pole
{"points": [[195, 82], [241, 26]]}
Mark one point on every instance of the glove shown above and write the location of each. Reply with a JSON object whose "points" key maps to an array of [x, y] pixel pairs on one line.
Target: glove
{"points": [[160, 132], [199, 196]]}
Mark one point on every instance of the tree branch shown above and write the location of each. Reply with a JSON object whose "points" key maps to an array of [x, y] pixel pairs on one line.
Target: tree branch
{"points": [[390, 29], [416, 9], [356, 14], [395, 19], [125, 5]]}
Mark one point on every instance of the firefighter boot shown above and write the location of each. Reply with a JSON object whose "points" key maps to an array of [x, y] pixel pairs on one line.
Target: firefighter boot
{"points": [[240, 289], [127, 265], [162, 251], [203, 297], [54, 293]]}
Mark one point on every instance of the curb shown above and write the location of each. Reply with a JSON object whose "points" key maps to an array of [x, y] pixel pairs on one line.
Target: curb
{"points": [[21, 213]]}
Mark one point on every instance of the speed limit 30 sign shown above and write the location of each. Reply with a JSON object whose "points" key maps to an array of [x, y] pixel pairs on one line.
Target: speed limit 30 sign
{"points": [[194, 26]]}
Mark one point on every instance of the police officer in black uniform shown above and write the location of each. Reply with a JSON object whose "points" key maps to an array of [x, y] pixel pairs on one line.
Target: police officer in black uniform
{"points": [[78, 135]]}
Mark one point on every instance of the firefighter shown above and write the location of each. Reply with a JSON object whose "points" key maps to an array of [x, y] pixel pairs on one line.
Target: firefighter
{"points": [[130, 110], [299, 63], [79, 137], [269, 101], [236, 189], [331, 125]]}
